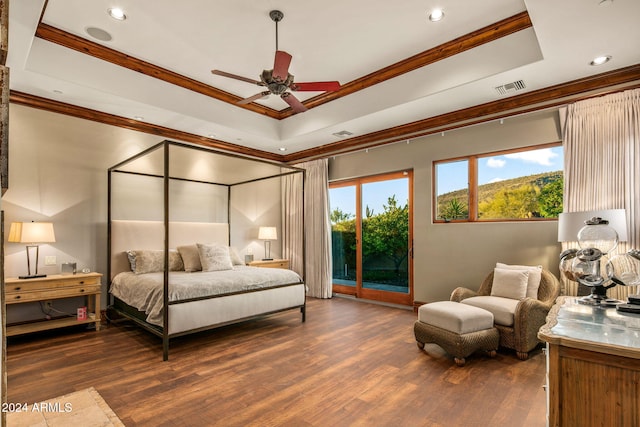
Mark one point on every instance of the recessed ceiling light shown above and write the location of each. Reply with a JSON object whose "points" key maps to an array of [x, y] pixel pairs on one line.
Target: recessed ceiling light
{"points": [[98, 33], [58, 91], [599, 60], [117, 13], [212, 135], [138, 118], [436, 15], [282, 149]]}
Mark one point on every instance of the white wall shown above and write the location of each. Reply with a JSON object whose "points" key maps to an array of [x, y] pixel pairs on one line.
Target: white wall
{"points": [[461, 254], [253, 205]]}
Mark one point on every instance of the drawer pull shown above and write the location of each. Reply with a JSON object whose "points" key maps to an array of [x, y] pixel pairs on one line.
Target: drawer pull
{"points": [[17, 296], [82, 282], [81, 290], [17, 288]]}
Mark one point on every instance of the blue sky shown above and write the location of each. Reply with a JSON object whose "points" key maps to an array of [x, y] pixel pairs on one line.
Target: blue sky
{"points": [[374, 195], [453, 176]]}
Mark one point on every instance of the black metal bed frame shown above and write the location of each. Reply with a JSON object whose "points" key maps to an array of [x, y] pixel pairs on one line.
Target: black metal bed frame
{"points": [[132, 313]]}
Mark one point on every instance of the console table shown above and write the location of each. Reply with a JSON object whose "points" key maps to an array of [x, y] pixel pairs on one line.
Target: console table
{"points": [[52, 287], [593, 365]]}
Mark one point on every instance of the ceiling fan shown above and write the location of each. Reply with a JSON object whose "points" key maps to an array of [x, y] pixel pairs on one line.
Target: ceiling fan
{"points": [[278, 81]]}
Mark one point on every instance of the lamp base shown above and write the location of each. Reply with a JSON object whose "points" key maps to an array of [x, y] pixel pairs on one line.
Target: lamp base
{"points": [[598, 300], [33, 276]]}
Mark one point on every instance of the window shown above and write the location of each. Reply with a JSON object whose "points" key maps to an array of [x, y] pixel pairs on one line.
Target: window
{"points": [[371, 236], [523, 184]]}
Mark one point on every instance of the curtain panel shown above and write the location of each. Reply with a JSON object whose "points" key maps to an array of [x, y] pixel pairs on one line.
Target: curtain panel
{"points": [[314, 229], [602, 165]]}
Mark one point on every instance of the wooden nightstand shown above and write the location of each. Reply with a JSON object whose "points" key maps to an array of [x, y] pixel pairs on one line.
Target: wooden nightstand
{"points": [[274, 263], [51, 287]]}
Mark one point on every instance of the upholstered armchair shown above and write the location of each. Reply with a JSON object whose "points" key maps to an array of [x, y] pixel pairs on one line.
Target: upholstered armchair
{"points": [[517, 320]]}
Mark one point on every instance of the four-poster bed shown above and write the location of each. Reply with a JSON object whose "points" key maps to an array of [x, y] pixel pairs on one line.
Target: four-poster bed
{"points": [[173, 268]]}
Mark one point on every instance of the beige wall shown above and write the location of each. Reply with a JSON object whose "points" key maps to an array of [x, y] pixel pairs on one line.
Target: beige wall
{"points": [[455, 254], [58, 172]]}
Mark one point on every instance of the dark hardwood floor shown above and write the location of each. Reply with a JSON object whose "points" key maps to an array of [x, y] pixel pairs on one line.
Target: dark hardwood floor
{"points": [[350, 364]]}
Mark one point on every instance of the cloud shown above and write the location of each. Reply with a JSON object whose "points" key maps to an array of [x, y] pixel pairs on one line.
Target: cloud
{"points": [[496, 180], [492, 162], [541, 157]]}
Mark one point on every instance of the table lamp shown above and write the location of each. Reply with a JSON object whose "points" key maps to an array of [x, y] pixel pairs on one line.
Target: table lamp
{"points": [[267, 234], [32, 233]]}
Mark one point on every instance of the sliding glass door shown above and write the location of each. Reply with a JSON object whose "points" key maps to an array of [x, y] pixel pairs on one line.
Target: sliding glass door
{"points": [[371, 221]]}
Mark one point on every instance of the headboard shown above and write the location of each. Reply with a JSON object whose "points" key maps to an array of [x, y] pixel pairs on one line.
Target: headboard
{"points": [[132, 235]]}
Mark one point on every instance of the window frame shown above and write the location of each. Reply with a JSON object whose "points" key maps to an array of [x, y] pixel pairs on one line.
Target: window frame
{"points": [[472, 187]]}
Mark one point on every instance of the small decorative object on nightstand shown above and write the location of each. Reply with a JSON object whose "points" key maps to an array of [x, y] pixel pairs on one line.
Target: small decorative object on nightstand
{"points": [[55, 287], [273, 263]]}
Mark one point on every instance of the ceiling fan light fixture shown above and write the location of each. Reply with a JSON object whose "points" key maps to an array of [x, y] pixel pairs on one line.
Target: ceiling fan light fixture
{"points": [[436, 15], [599, 60], [117, 13]]}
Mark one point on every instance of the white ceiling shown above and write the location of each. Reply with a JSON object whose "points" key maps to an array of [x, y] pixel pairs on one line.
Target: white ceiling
{"points": [[329, 40]]}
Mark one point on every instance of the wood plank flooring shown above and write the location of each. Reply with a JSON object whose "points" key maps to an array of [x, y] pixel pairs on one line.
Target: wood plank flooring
{"points": [[350, 364]]}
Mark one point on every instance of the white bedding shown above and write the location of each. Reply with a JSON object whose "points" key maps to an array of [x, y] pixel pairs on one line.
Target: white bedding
{"points": [[144, 291]]}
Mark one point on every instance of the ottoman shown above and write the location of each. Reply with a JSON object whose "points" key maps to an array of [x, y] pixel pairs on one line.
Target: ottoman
{"points": [[460, 329]]}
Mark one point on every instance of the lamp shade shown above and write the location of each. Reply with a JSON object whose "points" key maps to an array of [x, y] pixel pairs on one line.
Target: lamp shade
{"points": [[570, 223], [31, 232], [267, 233]]}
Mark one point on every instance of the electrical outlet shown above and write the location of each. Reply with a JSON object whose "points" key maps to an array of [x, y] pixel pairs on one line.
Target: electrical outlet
{"points": [[48, 305], [50, 260]]}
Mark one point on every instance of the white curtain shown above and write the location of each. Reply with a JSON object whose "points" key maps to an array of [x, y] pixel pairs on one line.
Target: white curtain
{"points": [[292, 222], [316, 227], [602, 164]]}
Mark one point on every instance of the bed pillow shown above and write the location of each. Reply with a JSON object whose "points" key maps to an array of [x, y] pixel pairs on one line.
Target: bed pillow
{"points": [[190, 257], [214, 257], [235, 257], [535, 275], [152, 261], [509, 283]]}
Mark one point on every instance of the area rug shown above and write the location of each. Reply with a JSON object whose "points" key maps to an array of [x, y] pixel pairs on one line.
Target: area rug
{"points": [[84, 408]]}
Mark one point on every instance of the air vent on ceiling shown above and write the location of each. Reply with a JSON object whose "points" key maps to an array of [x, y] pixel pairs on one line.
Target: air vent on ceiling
{"points": [[511, 87], [343, 134]]}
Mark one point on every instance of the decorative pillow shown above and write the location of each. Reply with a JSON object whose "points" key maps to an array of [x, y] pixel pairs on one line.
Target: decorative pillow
{"points": [[214, 257], [190, 257], [509, 283], [235, 258], [151, 261], [535, 275]]}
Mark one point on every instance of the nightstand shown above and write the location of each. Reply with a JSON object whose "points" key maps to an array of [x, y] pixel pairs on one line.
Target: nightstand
{"points": [[274, 263], [51, 287]]}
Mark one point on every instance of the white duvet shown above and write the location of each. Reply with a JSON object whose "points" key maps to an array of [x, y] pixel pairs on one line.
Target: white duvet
{"points": [[144, 291]]}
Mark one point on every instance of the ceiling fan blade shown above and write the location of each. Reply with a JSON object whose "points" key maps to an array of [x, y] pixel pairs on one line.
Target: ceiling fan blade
{"points": [[316, 86], [250, 99], [281, 65], [296, 105], [234, 76]]}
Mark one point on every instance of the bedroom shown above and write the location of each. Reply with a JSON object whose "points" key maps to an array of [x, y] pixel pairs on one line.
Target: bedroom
{"points": [[70, 156]]}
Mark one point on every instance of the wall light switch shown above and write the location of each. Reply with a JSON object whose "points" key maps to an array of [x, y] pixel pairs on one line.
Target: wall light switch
{"points": [[50, 260]]}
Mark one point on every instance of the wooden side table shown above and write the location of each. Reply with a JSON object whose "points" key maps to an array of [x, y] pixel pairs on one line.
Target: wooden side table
{"points": [[274, 263], [51, 287]]}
